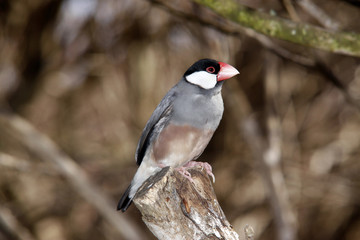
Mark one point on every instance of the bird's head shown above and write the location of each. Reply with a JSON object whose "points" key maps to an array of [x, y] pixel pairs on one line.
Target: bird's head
{"points": [[206, 73]]}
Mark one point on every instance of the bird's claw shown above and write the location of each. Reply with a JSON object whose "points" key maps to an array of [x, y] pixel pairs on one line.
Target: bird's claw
{"points": [[183, 171], [203, 165]]}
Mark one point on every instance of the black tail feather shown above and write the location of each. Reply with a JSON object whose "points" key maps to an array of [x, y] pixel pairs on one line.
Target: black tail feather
{"points": [[125, 201]]}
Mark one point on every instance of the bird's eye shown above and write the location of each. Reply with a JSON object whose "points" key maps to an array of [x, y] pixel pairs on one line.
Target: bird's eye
{"points": [[210, 69]]}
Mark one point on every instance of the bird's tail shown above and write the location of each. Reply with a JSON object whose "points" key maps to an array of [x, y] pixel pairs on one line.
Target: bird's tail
{"points": [[145, 170], [125, 201]]}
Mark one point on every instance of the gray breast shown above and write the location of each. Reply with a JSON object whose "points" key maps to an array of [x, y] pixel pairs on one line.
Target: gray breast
{"points": [[198, 110]]}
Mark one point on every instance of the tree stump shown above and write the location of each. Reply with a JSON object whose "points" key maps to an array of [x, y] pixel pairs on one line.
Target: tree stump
{"points": [[173, 207]]}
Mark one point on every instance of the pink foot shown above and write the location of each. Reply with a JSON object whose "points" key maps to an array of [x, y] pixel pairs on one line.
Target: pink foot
{"points": [[203, 165], [183, 171]]}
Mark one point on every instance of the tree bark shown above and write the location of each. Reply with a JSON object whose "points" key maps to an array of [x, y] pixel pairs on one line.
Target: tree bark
{"points": [[175, 208]]}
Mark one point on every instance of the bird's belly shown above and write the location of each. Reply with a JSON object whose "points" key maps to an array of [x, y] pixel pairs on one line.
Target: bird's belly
{"points": [[179, 144]]}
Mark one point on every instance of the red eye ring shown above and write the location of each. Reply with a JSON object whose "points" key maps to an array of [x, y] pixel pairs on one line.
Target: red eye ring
{"points": [[210, 69]]}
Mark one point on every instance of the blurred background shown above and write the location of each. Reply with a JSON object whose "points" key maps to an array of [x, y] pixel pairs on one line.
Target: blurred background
{"points": [[89, 73]]}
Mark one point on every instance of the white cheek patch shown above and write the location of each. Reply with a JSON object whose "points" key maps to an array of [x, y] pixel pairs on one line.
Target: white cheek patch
{"points": [[203, 79]]}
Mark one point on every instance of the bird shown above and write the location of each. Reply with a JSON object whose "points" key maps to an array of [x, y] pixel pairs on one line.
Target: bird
{"points": [[182, 125]]}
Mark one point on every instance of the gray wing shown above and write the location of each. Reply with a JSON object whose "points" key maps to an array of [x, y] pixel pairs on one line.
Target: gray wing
{"points": [[159, 118]]}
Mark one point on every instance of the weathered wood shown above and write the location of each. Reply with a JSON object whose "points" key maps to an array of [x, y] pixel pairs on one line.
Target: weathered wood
{"points": [[174, 208]]}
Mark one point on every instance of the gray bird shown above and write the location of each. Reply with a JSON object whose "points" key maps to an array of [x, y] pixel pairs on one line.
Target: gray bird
{"points": [[182, 124]]}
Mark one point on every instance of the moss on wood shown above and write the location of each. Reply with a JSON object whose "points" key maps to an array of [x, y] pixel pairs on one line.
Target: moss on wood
{"points": [[273, 26]]}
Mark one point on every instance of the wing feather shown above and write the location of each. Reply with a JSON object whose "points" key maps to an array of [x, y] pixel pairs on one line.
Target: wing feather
{"points": [[159, 118]]}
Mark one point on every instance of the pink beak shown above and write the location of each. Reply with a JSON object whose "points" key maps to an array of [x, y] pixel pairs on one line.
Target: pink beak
{"points": [[226, 71]]}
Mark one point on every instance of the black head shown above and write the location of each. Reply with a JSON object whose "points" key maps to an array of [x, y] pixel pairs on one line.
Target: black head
{"points": [[208, 65], [207, 73]]}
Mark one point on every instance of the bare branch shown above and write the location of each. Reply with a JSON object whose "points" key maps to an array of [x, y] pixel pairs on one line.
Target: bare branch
{"points": [[271, 160], [267, 153], [320, 15], [204, 15], [291, 10], [12, 228], [347, 43], [300, 33], [12, 162], [47, 150], [24, 165]]}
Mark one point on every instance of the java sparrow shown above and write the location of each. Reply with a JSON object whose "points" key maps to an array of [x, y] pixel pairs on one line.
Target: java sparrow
{"points": [[182, 124]]}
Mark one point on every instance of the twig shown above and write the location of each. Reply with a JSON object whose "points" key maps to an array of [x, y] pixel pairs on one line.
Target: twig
{"points": [[12, 162], [11, 227], [291, 10], [320, 15], [284, 217], [47, 150], [267, 153], [23, 165], [272, 178]]}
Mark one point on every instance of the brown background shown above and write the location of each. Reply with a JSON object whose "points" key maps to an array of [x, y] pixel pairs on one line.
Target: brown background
{"points": [[89, 75]]}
